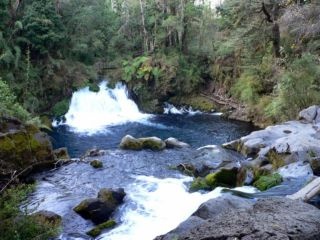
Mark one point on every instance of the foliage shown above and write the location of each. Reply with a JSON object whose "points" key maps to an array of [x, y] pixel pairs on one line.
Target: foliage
{"points": [[18, 225], [8, 104]]}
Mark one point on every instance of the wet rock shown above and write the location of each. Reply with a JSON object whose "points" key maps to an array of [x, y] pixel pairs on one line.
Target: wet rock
{"points": [[96, 164], [210, 158], [224, 177], [175, 143], [47, 217], [61, 154], [269, 181], [95, 152], [270, 218], [130, 143], [213, 207], [96, 231], [309, 114], [100, 209]]}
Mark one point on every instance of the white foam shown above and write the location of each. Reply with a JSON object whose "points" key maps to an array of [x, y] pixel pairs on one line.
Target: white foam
{"points": [[171, 109], [156, 206], [91, 112]]}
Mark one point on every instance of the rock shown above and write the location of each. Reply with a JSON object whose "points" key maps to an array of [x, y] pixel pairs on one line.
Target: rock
{"points": [[269, 218], [210, 158], [309, 114], [23, 146], [96, 164], [61, 154], [47, 217], [131, 143], [100, 209], [269, 181], [296, 170], [94, 232], [224, 177], [95, 152], [175, 143], [153, 143], [317, 119], [215, 206]]}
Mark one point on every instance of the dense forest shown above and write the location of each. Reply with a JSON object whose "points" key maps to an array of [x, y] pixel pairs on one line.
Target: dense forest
{"points": [[263, 54]]}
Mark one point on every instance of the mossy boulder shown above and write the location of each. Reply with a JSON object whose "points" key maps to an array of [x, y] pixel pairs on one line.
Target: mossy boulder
{"points": [[100, 209], [94, 87], [130, 143], [269, 181], [47, 217], [96, 231], [175, 143], [224, 177], [96, 164], [61, 154], [23, 146]]}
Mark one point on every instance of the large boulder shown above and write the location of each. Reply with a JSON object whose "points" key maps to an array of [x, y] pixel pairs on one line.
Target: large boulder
{"points": [[23, 147], [130, 143], [270, 218], [48, 217], [209, 159], [100, 209], [309, 114]]}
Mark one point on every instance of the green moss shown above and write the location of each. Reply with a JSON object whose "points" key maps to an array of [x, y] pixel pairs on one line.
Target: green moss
{"points": [[6, 145], [153, 144], [98, 229], [266, 182], [223, 177], [199, 184], [276, 159], [96, 164]]}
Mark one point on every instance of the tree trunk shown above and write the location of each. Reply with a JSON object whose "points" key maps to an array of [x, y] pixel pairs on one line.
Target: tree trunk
{"points": [[144, 30]]}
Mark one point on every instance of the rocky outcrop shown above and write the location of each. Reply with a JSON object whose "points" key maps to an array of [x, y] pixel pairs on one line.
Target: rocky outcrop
{"points": [[47, 217], [23, 148], [283, 144], [270, 218], [100, 209], [130, 143]]}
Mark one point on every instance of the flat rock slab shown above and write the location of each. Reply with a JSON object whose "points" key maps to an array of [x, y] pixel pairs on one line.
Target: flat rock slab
{"points": [[289, 137], [270, 218]]}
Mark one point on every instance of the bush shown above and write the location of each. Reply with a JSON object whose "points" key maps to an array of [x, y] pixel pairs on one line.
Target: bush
{"points": [[8, 104], [61, 108], [17, 225], [298, 88]]}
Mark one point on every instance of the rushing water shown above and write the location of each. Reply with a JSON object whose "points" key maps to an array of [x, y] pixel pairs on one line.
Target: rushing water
{"points": [[157, 197]]}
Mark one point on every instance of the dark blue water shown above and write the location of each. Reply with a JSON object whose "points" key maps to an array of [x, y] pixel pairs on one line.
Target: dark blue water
{"points": [[197, 130]]}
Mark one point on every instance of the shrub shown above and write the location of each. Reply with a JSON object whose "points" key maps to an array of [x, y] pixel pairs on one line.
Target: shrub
{"points": [[17, 225]]}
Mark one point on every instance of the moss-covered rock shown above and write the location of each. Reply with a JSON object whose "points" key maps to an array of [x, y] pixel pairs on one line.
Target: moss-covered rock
{"points": [[224, 177], [269, 181], [94, 232], [100, 209], [94, 87], [61, 153], [23, 146], [96, 164], [131, 143], [48, 217], [61, 108]]}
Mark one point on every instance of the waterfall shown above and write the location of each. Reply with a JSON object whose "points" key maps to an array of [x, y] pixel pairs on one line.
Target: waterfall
{"points": [[91, 112]]}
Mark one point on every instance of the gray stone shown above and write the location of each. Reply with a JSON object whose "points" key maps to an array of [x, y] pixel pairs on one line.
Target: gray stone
{"points": [[211, 158], [309, 114], [130, 143], [317, 119], [270, 218], [175, 143], [213, 207]]}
